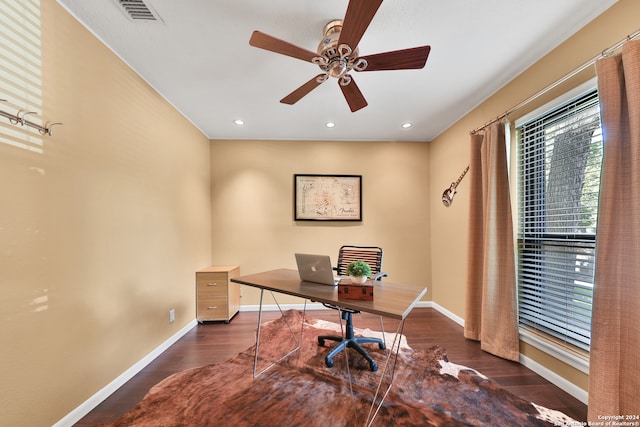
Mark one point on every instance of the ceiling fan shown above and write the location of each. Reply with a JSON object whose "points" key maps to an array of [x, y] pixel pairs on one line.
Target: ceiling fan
{"points": [[337, 54]]}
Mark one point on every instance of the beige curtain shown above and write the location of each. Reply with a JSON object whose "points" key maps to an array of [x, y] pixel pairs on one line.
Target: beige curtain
{"points": [[491, 306], [614, 379]]}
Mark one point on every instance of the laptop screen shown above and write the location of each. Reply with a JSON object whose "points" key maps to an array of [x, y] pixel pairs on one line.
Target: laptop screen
{"points": [[316, 268]]}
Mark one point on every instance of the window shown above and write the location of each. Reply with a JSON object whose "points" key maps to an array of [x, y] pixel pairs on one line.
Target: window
{"points": [[20, 71], [560, 154]]}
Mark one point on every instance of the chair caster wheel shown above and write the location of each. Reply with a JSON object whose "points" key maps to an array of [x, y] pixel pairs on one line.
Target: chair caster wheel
{"points": [[329, 363], [321, 342], [382, 346], [374, 366]]}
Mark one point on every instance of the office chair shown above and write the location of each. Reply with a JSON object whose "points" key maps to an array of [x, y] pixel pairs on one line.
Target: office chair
{"points": [[372, 255]]}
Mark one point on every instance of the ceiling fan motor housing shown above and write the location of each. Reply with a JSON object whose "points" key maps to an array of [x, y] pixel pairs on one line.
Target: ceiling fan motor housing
{"points": [[337, 57]]}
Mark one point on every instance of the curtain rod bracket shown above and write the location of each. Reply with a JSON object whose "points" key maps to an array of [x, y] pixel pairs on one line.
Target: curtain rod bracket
{"points": [[20, 117], [47, 128]]}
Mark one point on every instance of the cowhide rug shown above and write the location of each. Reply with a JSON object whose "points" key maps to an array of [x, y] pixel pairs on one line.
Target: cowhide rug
{"points": [[428, 390]]}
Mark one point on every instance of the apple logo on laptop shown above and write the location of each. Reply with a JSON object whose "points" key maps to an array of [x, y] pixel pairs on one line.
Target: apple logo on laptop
{"points": [[313, 268]]}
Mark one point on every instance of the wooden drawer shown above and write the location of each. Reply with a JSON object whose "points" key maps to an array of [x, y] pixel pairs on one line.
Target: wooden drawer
{"points": [[213, 308], [212, 284]]}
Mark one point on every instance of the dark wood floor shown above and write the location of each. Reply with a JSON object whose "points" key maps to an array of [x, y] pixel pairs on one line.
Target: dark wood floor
{"points": [[425, 327]]}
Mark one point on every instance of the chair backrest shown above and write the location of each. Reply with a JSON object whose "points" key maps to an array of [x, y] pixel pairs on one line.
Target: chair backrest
{"points": [[372, 255]]}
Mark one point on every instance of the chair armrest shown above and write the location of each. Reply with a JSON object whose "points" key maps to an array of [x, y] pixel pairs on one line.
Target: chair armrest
{"points": [[380, 275]]}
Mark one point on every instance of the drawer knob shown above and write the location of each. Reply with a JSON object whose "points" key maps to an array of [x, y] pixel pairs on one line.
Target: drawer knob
{"points": [[213, 307], [212, 284]]}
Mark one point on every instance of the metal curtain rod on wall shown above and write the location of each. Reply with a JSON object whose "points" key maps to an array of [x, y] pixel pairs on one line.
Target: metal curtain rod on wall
{"points": [[19, 119], [561, 80]]}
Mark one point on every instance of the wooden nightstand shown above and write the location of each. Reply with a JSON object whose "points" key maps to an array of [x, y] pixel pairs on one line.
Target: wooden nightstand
{"points": [[217, 298]]}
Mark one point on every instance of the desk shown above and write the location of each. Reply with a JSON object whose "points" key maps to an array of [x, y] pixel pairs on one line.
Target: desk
{"points": [[390, 300]]}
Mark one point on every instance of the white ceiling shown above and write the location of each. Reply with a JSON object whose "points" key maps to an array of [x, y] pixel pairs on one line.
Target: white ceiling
{"points": [[200, 60]]}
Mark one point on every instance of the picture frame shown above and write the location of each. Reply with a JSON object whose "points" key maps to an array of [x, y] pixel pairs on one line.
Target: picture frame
{"points": [[327, 197]]}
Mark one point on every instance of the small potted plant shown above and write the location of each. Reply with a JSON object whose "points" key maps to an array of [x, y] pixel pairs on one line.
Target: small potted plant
{"points": [[358, 272]]}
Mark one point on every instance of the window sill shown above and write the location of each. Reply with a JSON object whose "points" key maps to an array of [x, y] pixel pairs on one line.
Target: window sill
{"points": [[553, 349]]}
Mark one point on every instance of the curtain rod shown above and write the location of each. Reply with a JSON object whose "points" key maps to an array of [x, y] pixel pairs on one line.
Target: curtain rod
{"points": [[19, 119], [561, 80]]}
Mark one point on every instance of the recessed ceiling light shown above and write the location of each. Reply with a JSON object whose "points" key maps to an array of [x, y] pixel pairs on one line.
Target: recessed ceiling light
{"points": [[238, 122], [330, 124], [406, 125]]}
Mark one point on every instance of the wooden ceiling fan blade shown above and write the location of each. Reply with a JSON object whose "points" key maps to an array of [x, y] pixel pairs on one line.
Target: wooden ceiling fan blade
{"points": [[273, 44], [359, 15], [354, 97], [405, 59], [297, 94]]}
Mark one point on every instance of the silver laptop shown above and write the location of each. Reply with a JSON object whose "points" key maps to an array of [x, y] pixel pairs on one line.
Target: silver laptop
{"points": [[316, 268]]}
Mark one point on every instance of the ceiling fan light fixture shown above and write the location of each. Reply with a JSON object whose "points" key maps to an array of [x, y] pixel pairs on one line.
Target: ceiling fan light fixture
{"points": [[337, 68]]}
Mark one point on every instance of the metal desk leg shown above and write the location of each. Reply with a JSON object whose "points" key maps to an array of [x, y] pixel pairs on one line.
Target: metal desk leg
{"points": [[297, 341], [388, 369]]}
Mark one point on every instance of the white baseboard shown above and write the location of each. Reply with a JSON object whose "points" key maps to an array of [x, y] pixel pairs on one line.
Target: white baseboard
{"points": [[545, 373], [459, 320], [86, 407], [555, 379]]}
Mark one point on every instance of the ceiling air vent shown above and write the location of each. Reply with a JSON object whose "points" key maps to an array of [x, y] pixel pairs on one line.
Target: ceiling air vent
{"points": [[138, 10]]}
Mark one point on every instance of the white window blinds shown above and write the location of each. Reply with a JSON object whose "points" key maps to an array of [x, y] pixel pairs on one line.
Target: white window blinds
{"points": [[560, 155]]}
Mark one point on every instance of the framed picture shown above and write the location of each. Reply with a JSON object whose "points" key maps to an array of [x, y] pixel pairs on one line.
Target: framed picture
{"points": [[327, 197]]}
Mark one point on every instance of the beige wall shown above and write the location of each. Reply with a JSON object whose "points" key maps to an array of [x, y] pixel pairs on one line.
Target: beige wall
{"points": [[252, 199], [100, 234], [450, 154]]}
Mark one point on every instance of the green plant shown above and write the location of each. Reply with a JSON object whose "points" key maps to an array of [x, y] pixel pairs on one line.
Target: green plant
{"points": [[358, 269]]}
